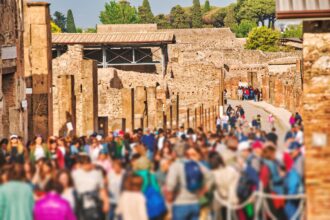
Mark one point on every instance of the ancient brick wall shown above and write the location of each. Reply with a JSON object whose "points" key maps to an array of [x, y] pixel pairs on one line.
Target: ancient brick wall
{"points": [[316, 103]]}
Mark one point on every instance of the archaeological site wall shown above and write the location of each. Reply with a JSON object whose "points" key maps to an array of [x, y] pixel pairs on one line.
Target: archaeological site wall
{"points": [[12, 93], [75, 98], [316, 103], [189, 93]]}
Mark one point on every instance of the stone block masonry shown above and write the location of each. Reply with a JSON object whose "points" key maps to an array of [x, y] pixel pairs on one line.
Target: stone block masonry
{"points": [[316, 114], [38, 68], [75, 93]]}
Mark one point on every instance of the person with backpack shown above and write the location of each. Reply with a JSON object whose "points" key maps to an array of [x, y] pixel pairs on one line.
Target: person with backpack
{"points": [[294, 179], [272, 179], [186, 182], [92, 196]]}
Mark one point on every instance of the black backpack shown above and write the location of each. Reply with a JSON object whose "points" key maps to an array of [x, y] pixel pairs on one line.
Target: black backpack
{"points": [[89, 206]]}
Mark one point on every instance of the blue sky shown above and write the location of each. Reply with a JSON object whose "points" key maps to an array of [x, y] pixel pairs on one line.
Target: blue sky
{"points": [[86, 12]]}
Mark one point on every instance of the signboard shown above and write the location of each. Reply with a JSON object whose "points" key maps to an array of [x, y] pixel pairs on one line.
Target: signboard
{"points": [[300, 9], [8, 53], [28, 91]]}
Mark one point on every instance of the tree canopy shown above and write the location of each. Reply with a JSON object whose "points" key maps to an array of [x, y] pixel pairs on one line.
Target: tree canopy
{"points": [[60, 20], [145, 14], [263, 38], [178, 18], [243, 29], [293, 31], [55, 28], [196, 15], [70, 25], [258, 10], [207, 6], [118, 13], [230, 20]]}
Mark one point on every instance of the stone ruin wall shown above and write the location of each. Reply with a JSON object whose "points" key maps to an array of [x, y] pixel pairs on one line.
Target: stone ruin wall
{"points": [[74, 89], [11, 70], [193, 76], [316, 105]]}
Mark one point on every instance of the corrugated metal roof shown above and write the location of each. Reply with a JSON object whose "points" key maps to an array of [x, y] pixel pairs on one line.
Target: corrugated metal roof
{"points": [[113, 38]]}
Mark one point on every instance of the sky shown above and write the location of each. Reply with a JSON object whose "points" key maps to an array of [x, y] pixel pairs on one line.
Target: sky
{"points": [[86, 12]]}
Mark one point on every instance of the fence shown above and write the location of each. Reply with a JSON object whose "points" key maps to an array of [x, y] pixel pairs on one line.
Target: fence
{"points": [[261, 207]]}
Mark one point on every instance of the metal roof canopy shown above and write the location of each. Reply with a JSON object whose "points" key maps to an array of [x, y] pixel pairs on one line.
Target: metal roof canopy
{"points": [[116, 38], [119, 49], [293, 9]]}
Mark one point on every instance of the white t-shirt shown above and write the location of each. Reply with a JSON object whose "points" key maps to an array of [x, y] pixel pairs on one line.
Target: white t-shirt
{"points": [[95, 152], [218, 121], [160, 143], [224, 119], [39, 152], [115, 182]]}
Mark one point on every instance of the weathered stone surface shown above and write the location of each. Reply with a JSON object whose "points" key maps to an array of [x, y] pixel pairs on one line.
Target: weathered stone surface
{"points": [[84, 96], [316, 105]]}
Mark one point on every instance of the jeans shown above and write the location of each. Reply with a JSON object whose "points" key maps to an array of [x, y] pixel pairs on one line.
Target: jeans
{"points": [[185, 212]]}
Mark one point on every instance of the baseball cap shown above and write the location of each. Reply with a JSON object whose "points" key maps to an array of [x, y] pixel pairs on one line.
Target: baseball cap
{"points": [[257, 145]]}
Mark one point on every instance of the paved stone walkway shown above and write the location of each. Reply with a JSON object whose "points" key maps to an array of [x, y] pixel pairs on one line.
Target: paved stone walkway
{"points": [[281, 115]]}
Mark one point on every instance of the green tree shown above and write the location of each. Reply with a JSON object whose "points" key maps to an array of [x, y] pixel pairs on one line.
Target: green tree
{"points": [[258, 10], [263, 38], [243, 29], [178, 18], [219, 18], [79, 30], [207, 7], [145, 13], [60, 20], [163, 22], [293, 31], [118, 13], [70, 25], [196, 15], [55, 28], [230, 20]]}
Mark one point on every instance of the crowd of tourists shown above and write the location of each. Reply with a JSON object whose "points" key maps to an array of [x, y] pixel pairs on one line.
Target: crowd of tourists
{"points": [[249, 93], [153, 174]]}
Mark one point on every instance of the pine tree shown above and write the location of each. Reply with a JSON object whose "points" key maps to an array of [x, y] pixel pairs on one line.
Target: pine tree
{"points": [[196, 16], [70, 25], [145, 13], [207, 6]]}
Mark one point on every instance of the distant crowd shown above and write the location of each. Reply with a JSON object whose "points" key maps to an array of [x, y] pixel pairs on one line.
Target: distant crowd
{"points": [[154, 174], [249, 93]]}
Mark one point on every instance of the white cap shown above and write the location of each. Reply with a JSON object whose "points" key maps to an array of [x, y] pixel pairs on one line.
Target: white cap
{"points": [[99, 137], [13, 136], [245, 145]]}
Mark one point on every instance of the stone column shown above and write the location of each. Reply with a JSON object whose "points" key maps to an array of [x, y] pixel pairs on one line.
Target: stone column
{"points": [[316, 115], [139, 106], [86, 98], [128, 107], [152, 107], [161, 107], [63, 110], [38, 67]]}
